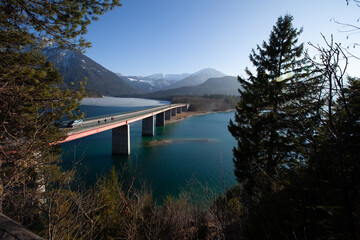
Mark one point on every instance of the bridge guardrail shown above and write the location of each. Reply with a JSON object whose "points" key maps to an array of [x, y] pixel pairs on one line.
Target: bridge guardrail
{"points": [[93, 122], [125, 113]]}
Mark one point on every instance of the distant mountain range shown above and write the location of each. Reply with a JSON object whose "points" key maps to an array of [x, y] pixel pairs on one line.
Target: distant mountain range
{"points": [[227, 85], [162, 81], [75, 66], [153, 82], [197, 78]]}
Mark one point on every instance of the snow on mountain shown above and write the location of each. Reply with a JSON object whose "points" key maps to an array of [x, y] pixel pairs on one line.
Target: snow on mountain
{"points": [[197, 78], [75, 67], [161, 81], [227, 85], [153, 82]]}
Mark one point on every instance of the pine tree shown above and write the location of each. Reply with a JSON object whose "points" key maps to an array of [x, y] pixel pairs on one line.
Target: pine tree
{"points": [[266, 124], [63, 22], [315, 191], [31, 104]]}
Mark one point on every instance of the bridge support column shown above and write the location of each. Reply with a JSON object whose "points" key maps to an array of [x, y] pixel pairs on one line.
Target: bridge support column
{"points": [[173, 112], [160, 119], [121, 140], [178, 110], [168, 115], [148, 126], [184, 108]]}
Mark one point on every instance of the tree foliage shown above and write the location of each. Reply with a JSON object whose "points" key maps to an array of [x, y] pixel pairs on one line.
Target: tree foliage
{"points": [[31, 105], [298, 146], [64, 22], [267, 113], [336, 159]]}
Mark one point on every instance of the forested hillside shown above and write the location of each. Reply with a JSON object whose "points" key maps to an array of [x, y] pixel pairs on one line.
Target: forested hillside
{"points": [[75, 67]]}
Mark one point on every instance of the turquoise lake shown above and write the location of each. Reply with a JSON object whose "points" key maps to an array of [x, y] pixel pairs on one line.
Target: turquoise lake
{"points": [[199, 147]]}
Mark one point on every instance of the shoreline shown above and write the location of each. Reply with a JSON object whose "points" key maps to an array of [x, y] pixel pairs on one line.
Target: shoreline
{"points": [[185, 115]]}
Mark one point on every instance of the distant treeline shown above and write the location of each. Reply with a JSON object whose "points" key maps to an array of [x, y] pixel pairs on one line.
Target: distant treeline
{"points": [[93, 93], [208, 102]]}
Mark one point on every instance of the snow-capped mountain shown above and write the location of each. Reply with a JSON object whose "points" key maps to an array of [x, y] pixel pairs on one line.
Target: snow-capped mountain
{"points": [[197, 78], [153, 82], [161, 81], [74, 67], [227, 85]]}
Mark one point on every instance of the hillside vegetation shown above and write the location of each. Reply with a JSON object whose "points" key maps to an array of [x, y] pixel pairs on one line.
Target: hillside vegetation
{"points": [[75, 67], [208, 103]]}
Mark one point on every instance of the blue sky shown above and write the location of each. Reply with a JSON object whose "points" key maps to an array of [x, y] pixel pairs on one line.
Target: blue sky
{"points": [[171, 36]]}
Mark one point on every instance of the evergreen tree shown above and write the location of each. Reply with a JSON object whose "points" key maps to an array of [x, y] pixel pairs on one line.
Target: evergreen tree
{"points": [[334, 165], [267, 116], [64, 22], [31, 104], [315, 193]]}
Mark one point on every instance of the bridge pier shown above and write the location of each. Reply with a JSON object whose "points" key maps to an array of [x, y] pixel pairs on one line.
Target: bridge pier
{"points": [[121, 140], [168, 115], [160, 119], [148, 126], [120, 132]]}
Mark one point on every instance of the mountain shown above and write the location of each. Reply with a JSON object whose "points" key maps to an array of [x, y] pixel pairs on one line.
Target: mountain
{"points": [[153, 82], [227, 85], [140, 84], [197, 78], [74, 67], [161, 81]]}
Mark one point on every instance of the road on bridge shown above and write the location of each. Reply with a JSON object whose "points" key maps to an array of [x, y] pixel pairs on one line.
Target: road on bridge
{"points": [[103, 123]]}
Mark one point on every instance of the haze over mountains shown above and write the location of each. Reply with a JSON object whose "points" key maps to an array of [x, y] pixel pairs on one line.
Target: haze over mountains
{"points": [[75, 66]]}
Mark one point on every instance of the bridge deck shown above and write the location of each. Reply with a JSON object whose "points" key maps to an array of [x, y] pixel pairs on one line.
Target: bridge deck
{"points": [[98, 124]]}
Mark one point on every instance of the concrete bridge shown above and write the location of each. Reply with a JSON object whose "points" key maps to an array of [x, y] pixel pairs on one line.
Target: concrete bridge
{"points": [[119, 123]]}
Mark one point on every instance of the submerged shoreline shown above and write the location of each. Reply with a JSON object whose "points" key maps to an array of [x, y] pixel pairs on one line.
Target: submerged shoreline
{"points": [[155, 143], [185, 115]]}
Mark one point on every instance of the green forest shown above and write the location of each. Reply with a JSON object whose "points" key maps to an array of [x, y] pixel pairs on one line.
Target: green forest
{"points": [[297, 127]]}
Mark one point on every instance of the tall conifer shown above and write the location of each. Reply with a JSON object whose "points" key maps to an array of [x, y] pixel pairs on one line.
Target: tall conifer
{"points": [[266, 120], [31, 104]]}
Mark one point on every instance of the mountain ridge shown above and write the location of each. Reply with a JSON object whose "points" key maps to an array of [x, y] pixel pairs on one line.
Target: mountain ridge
{"points": [[162, 81], [227, 85], [75, 66], [197, 78]]}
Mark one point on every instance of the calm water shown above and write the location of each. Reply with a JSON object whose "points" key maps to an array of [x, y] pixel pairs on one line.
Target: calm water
{"points": [[199, 147]]}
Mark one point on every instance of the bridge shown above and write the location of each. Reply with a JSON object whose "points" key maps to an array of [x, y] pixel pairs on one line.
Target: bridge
{"points": [[119, 123]]}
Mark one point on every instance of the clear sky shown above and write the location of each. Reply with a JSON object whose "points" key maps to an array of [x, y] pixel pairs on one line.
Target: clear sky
{"points": [[171, 36]]}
